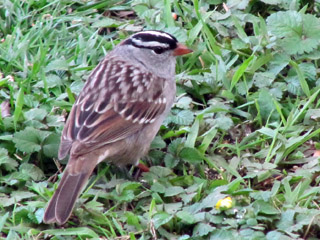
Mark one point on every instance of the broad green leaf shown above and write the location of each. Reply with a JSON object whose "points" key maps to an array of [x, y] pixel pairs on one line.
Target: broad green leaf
{"points": [[211, 200], [29, 140], [158, 143], [278, 63], [184, 103], [287, 220], [238, 44], [277, 235], [128, 186], [160, 219], [312, 115], [264, 208], [20, 195], [35, 114], [39, 215], [175, 145], [32, 171], [6, 201], [58, 64], [124, 196], [294, 86], [296, 33], [238, 4], [267, 107], [6, 162], [106, 22], [272, 2], [51, 145], [170, 160], [133, 220], [186, 217], [224, 122], [191, 155], [172, 208], [3, 220], [309, 71], [223, 234], [160, 171], [51, 80], [263, 79], [158, 187], [184, 117], [173, 191], [202, 229]]}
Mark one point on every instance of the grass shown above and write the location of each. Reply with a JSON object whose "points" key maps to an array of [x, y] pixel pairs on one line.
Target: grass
{"points": [[245, 125]]}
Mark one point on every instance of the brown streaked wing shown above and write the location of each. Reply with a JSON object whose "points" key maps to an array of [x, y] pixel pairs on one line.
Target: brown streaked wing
{"points": [[113, 107], [112, 126]]}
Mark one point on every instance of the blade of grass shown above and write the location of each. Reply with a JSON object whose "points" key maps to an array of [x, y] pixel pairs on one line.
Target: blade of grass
{"points": [[240, 71], [208, 137], [151, 208], [302, 111], [70, 96], [294, 146], [274, 140], [278, 108], [240, 31], [3, 220], [18, 107], [80, 231], [259, 62], [259, 118], [168, 14], [303, 82], [193, 134], [207, 32]]}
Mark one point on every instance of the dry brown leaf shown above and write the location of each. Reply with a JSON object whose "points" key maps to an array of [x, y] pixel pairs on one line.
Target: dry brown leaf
{"points": [[5, 109]]}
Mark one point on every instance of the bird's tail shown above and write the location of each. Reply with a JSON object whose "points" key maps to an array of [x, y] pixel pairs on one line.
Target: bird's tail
{"points": [[62, 202]]}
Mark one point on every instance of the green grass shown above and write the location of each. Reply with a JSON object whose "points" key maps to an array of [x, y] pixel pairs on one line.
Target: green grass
{"points": [[245, 123]]}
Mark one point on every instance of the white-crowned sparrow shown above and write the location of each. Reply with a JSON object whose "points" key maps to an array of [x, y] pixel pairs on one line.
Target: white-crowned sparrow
{"points": [[117, 114]]}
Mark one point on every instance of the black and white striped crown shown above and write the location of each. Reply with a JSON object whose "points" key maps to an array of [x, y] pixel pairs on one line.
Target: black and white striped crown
{"points": [[156, 40]]}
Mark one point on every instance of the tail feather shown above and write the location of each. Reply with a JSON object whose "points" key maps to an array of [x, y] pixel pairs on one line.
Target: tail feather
{"points": [[62, 202]]}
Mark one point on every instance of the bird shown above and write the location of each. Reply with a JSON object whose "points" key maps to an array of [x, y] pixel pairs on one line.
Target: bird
{"points": [[117, 113]]}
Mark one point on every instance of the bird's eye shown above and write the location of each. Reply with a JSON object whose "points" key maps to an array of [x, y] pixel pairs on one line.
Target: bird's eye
{"points": [[158, 50]]}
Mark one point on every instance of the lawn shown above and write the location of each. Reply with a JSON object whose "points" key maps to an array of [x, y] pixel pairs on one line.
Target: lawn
{"points": [[238, 156]]}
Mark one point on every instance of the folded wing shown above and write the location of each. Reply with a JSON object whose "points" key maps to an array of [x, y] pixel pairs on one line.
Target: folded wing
{"points": [[117, 101]]}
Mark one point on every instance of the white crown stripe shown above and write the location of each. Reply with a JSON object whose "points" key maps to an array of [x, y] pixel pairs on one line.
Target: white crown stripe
{"points": [[150, 44], [155, 33]]}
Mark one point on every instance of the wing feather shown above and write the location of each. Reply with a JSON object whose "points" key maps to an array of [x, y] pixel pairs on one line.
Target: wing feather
{"points": [[112, 106]]}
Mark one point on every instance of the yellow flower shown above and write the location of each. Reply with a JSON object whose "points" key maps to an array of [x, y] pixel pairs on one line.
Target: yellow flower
{"points": [[224, 204]]}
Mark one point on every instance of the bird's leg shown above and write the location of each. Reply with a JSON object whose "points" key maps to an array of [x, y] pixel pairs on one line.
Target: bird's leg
{"points": [[140, 169]]}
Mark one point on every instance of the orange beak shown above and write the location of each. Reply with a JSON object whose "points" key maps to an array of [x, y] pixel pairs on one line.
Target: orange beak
{"points": [[181, 50]]}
